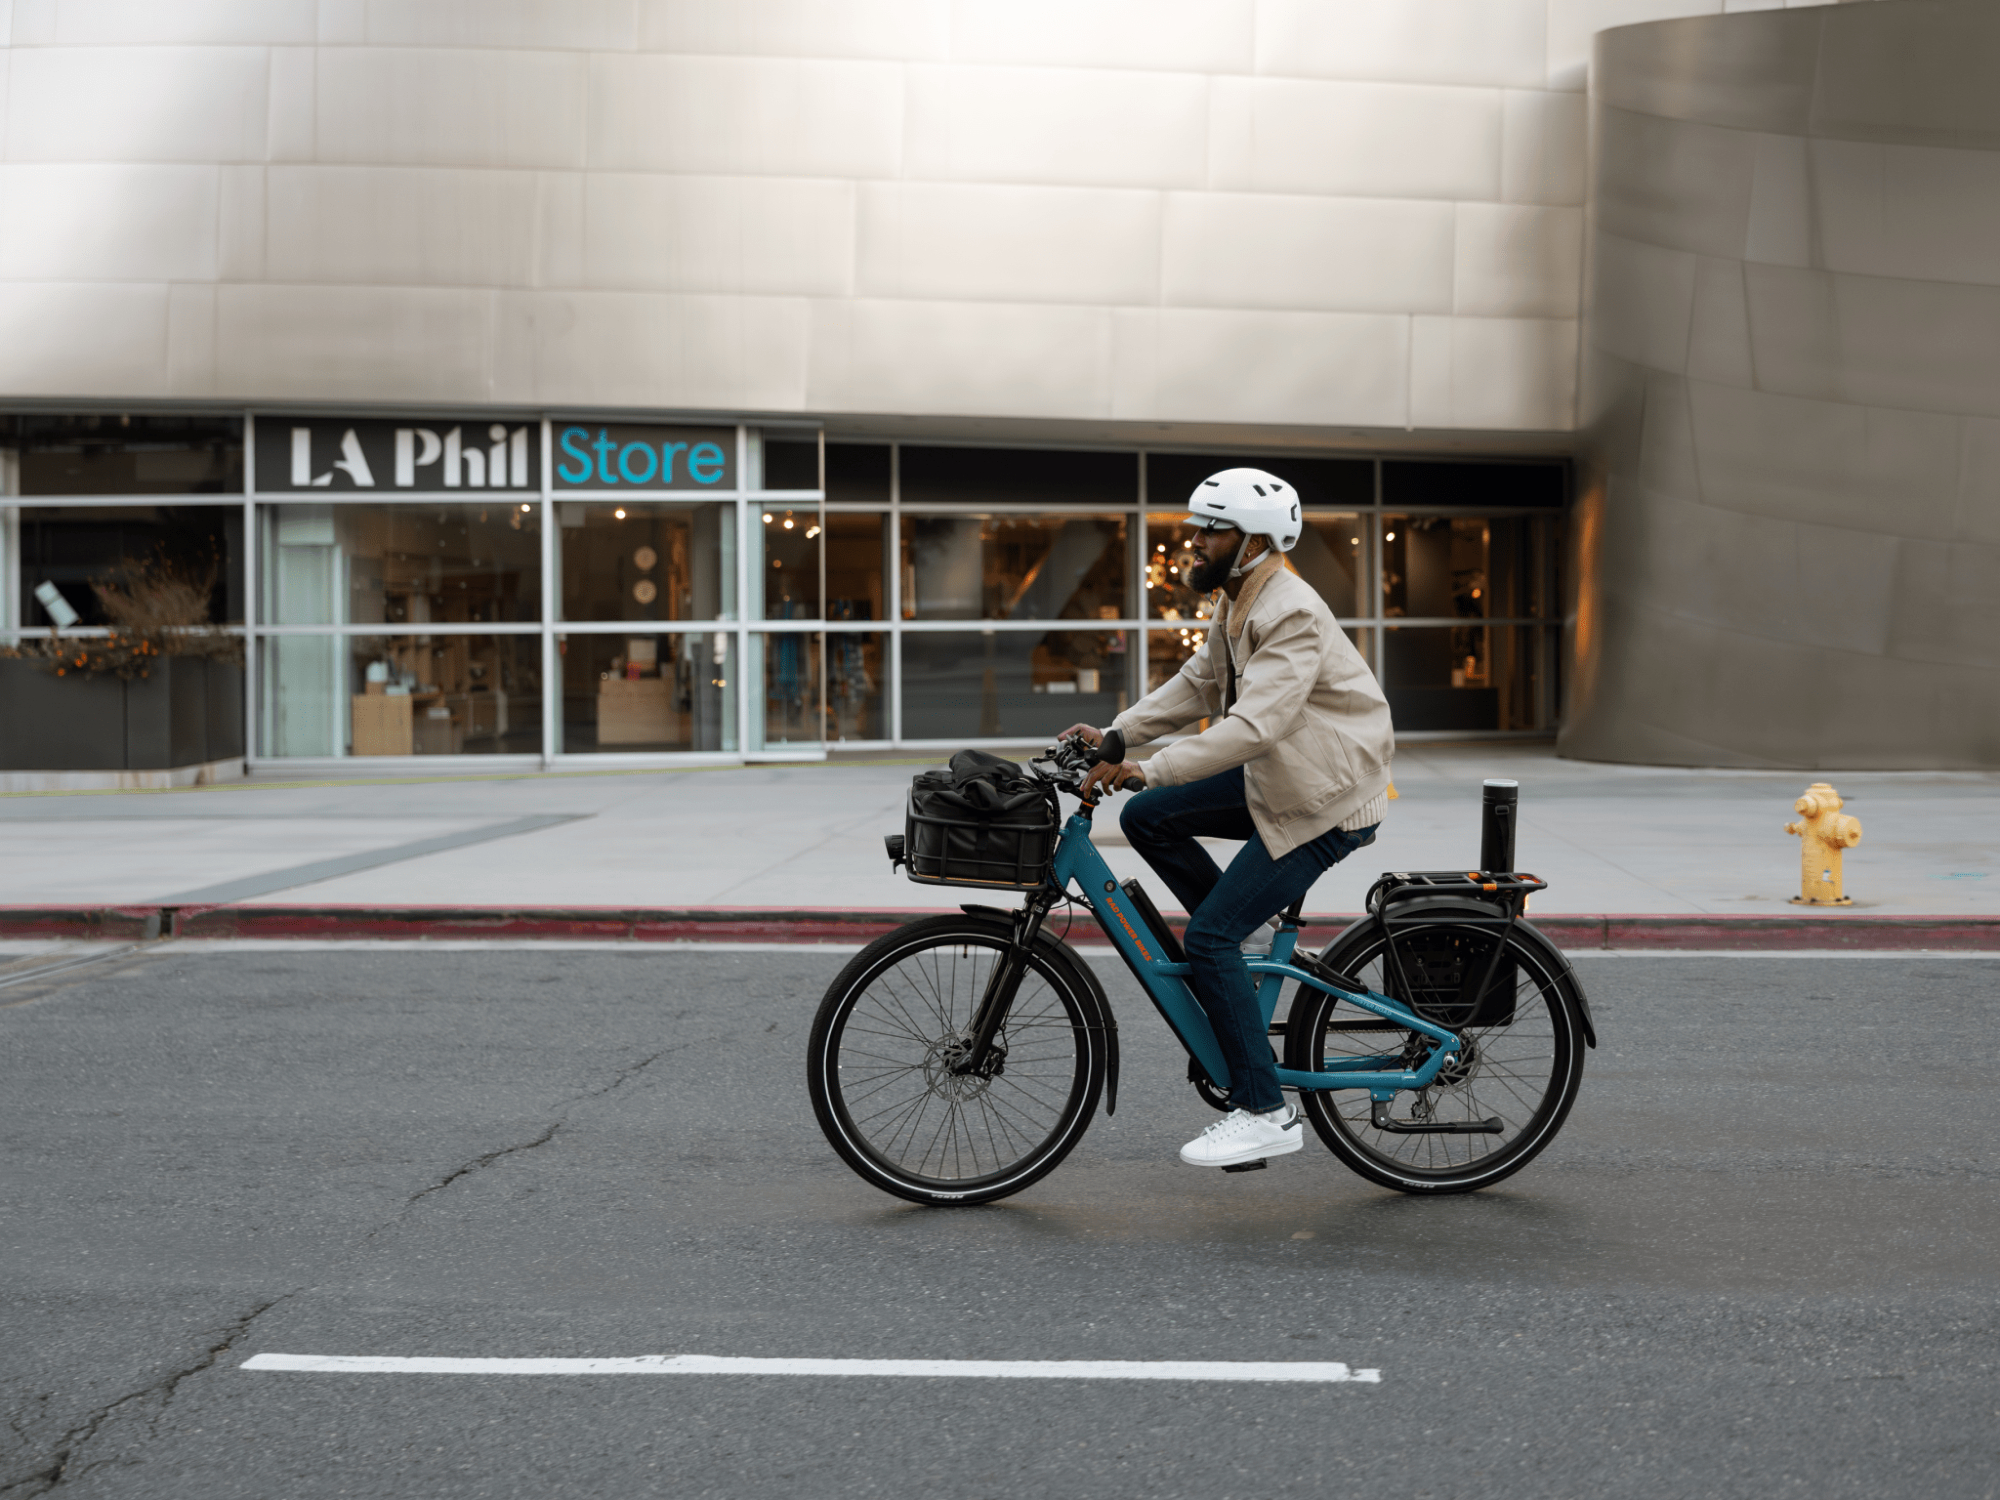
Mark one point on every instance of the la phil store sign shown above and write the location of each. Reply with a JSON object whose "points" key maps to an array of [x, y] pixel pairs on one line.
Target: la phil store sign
{"points": [[433, 455]]}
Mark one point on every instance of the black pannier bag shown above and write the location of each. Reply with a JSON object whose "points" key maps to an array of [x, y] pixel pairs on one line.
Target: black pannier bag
{"points": [[1445, 968], [982, 821]]}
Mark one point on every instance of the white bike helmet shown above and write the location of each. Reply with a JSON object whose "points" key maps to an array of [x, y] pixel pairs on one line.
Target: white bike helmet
{"points": [[1255, 503]]}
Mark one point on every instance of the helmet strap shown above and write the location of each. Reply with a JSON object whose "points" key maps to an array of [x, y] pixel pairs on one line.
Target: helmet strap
{"points": [[1239, 567]]}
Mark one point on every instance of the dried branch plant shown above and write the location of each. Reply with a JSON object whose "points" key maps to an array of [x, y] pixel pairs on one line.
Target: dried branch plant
{"points": [[157, 608], [159, 597]]}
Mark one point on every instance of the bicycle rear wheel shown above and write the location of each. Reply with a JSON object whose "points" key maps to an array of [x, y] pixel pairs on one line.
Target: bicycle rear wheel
{"points": [[893, 1023], [1521, 1063]]}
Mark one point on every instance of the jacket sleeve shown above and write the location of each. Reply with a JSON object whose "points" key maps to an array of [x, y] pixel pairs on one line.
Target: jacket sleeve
{"points": [[1191, 694], [1272, 692]]}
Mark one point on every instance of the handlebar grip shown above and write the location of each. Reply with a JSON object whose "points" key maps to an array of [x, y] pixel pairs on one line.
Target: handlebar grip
{"points": [[1111, 750]]}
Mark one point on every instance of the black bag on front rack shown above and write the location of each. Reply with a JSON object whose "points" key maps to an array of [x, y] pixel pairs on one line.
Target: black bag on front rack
{"points": [[981, 821]]}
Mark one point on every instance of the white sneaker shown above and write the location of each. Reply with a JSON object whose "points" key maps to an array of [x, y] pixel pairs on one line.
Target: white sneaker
{"points": [[1258, 944], [1240, 1136]]}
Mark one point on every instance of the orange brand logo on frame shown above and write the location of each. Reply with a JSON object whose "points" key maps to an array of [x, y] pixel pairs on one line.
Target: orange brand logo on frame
{"points": [[1137, 942]]}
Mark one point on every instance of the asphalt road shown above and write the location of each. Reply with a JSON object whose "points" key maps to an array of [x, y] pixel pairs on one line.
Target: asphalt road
{"points": [[1759, 1261]]}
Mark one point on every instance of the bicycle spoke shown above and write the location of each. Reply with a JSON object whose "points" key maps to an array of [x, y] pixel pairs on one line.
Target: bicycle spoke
{"points": [[900, 1049]]}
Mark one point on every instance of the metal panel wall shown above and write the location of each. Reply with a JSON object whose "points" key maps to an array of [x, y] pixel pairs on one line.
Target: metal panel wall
{"points": [[1788, 529]]}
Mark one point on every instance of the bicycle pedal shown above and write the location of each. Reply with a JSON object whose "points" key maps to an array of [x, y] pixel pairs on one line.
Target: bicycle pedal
{"points": [[1249, 1166]]}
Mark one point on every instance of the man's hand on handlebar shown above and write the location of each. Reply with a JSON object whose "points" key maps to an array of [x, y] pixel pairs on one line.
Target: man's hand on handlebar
{"points": [[1124, 776], [1091, 737]]}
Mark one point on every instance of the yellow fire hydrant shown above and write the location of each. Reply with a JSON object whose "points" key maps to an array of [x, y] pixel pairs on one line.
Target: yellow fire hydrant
{"points": [[1824, 831]]}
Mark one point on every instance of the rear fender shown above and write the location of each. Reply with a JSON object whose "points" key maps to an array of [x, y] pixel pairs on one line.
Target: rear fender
{"points": [[1445, 904]]}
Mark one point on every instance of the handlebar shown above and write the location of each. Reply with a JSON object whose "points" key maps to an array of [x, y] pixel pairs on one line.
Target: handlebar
{"points": [[1071, 757]]}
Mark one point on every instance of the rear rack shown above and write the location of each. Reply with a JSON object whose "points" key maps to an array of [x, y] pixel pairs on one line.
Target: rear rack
{"points": [[1513, 889]]}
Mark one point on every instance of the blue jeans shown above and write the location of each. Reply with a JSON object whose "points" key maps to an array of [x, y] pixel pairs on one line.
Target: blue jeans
{"points": [[1226, 906]]}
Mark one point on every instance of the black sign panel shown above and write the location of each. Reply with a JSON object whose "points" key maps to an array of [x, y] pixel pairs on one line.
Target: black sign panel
{"points": [[417, 455], [621, 456]]}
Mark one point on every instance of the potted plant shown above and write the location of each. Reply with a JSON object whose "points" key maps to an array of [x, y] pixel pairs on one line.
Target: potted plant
{"points": [[162, 691]]}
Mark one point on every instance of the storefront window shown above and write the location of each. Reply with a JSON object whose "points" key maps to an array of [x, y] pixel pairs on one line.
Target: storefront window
{"points": [[785, 569], [196, 546], [942, 592], [418, 564], [789, 713], [1332, 556], [1467, 567], [1170, 555], [1484, 486], [857, 686], [646, 560], [402, 695], [856, 565], [1019, 476], [1007, 683], [1470, 677], [1002, 567], [126, 454], [788, 462], [624, 694], [858, 472]]}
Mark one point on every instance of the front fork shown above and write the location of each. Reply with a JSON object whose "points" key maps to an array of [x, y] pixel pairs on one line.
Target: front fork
{"points": [[1002, 985]]}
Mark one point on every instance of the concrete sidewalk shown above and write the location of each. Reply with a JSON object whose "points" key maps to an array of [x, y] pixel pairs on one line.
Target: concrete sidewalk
{"points": [[1609, 839]]}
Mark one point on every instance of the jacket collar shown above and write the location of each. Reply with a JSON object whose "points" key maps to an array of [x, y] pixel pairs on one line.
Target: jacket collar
{"points": [[1235, 613]]}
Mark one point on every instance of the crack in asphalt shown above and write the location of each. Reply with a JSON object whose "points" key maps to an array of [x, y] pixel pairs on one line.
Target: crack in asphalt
{"points": [[623, 1076], [475, 1164], [63, 1467]]}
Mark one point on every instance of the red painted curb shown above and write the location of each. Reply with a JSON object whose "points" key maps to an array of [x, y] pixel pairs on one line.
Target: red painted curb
{"points": [[1828, 931]]}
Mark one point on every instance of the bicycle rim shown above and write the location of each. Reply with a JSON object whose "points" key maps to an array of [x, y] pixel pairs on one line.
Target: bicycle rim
{"points": [[890, 1104], [1522, 1066]]}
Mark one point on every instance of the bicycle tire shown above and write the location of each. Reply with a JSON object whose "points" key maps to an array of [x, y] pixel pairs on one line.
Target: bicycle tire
{"points": [[1525, 1064], [912, 994]]}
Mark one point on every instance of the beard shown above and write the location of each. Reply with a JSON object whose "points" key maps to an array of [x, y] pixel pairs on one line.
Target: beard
{"points": [[1207, 576]]}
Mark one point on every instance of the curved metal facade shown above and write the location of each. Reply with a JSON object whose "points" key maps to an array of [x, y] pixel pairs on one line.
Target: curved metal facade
{"points": [[1788, 536]]}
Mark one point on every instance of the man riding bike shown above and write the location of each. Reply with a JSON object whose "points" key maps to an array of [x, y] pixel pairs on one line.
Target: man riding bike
{"points": [[1294, 762]]}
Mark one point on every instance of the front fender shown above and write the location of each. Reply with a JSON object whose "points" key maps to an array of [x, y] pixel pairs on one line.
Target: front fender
{"points": [[1106, 1024]]}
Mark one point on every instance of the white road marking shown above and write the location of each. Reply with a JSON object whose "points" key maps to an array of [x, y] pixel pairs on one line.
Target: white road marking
{"points": [[1323, 1373], [1788, 953]]}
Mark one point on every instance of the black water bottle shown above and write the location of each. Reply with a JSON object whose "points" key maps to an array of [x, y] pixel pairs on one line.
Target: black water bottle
{"points": [[1496, 827]]}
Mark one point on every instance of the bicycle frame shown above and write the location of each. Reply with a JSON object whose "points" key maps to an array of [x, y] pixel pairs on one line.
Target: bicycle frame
{"points": [[1078, 862]]}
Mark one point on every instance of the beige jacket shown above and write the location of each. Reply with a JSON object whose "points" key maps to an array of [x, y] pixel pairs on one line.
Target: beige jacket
{"points": [[1309, 724]]}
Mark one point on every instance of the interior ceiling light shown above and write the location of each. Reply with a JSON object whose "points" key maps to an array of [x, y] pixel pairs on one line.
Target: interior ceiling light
{"points": [[768, 518], [619, 513], [1390, 537]]}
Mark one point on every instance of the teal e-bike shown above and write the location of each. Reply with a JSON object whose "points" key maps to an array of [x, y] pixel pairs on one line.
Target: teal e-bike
{"points": [[1436, 1044]]}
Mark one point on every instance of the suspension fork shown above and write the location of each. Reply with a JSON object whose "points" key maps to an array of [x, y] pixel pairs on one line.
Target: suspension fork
{"points": [[1004, 982]]}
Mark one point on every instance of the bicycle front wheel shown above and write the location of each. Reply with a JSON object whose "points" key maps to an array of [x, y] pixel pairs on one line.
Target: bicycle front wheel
{"points": [[896, 1020], [1521, 1062]]}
